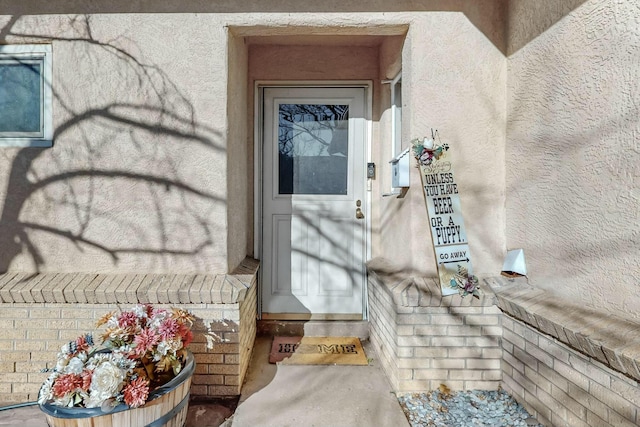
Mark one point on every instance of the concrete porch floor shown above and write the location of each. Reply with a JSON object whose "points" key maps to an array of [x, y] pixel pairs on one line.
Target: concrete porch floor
{"points": [[279, 395], [287, 395]]}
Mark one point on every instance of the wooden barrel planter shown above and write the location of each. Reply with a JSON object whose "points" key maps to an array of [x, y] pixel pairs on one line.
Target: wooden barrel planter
{"points": [[166, 407]]}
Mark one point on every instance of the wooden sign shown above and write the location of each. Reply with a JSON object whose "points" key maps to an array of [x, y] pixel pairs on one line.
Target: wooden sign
{"points": [[445, 219]]}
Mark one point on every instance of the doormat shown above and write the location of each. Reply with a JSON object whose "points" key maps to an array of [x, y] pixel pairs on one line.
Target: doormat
{"points": [[317, 351]]}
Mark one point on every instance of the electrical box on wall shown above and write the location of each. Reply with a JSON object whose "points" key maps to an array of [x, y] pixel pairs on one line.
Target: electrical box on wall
{"points": [[400, 169]]}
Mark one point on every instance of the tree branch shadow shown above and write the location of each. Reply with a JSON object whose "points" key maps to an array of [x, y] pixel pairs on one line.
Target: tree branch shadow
{"points": [[118, 185]]}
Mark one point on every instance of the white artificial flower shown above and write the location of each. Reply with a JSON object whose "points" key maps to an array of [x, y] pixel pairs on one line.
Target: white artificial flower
{"points": [[107, 381], [162, 348], [125, 363], [46, 392], [62, 364], [167, 347], [157, 319], [65, 400], [75, 366], [95, 360], [112, 322], [139, 311]]}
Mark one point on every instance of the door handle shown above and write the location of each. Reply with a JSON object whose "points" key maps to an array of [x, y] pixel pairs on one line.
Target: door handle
{"points": [[359, 214]]}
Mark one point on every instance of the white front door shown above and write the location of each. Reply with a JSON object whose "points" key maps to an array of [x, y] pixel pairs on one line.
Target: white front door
{"points": [[313, 192]]}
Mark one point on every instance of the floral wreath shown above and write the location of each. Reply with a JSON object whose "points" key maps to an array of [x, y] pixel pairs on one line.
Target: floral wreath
{"points": [[426, 151], [465, 283]]}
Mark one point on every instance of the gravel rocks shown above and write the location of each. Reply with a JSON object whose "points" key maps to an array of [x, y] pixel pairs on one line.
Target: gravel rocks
{"points": [[475, 408]]}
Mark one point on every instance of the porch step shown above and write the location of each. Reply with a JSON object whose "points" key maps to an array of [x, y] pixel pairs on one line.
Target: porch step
{"points": [[314, 328]]}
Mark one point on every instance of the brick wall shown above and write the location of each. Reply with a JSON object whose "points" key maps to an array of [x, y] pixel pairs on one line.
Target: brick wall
{"points": [[32, 333], [424, 340], [248, 316], [569, 364], [29, 341], [562, 386]]}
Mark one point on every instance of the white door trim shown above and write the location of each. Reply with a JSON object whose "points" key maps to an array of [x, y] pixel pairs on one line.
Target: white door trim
{"points": [[258, 167]]}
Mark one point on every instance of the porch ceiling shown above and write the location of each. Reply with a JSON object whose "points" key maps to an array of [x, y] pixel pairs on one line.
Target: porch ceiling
{"points": [[315, 40]]}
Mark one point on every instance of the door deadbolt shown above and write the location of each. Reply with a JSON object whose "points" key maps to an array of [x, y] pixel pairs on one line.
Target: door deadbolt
{"points": [[359, 214]]}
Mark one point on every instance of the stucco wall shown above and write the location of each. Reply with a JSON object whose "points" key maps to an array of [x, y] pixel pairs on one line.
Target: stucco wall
{"points": [[148, 169], [454, 81], [240, 162], [133, 180], [572, 148]]}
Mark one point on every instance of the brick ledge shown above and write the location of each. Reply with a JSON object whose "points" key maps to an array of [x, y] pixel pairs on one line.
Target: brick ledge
{"points": [[129, 288], [611, 340], [412, 290]]}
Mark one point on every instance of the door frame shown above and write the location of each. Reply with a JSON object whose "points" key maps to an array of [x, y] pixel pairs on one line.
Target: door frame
{"points": [[258, 120]]}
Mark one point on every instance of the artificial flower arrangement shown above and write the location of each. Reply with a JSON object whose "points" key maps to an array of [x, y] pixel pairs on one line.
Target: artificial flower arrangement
{"points": [[465, 283], [426, 151], [142, 349]]}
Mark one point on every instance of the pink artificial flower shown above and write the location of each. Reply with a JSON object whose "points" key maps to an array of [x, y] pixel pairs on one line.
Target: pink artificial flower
{"points": [[136, 392], [145, 341], [426, 157], [152, 312], [168, 328], [67, 383], [127, 319], [86, 376], [470, 286], [77, 346]]}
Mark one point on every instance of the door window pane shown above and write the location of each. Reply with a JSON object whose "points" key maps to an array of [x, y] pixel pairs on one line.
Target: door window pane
{"points": [[313, 142]]}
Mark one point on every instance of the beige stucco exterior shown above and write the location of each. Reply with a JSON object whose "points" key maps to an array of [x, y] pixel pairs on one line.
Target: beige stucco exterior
{"points": [[572, 148], [136, 178], [152, 167], [454, 83]]}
